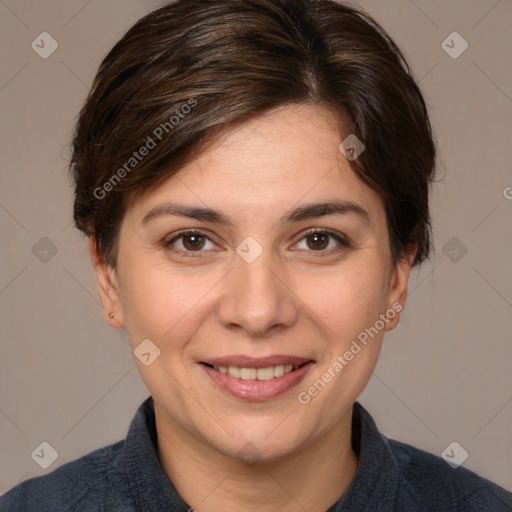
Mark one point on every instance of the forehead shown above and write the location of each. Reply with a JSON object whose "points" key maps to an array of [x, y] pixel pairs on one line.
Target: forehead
{"points": [[268, 164]]}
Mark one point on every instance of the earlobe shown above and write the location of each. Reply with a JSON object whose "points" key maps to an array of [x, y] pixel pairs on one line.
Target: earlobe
{"points": [[108, 288]]}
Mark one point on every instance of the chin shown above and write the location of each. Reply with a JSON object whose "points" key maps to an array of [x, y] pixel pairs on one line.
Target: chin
{"points": [[261, 442]]}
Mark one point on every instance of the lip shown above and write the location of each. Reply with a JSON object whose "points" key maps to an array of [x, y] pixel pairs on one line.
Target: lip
{"points": [[256, 362], [257, 390]]}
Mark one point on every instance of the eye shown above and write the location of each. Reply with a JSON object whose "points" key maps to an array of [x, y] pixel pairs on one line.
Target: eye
{"points": [[191, 241], [316, 240], [319, 239]]}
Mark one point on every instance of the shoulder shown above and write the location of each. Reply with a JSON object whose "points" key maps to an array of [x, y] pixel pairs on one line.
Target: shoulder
{"points": [[74, 485], [444, 488]]}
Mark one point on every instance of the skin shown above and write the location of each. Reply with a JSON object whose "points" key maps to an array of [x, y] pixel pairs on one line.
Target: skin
{"points": [[294, 299]]}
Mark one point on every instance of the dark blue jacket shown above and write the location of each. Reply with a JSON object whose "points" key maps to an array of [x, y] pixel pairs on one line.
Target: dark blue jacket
{"points": [[127, 477]]}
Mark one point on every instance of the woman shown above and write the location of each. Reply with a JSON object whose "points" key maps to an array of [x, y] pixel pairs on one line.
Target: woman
{"points": [[253, 178]]}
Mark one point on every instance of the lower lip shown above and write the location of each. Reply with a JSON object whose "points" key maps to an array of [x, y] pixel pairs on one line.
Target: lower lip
{"points": [[258, 390]]}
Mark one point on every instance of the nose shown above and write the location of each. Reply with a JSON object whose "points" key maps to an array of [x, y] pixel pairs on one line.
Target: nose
{"points": [[257, 298]]}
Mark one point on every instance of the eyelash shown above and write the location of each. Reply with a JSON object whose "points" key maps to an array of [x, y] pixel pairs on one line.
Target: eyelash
{"points": [[181, 234]]}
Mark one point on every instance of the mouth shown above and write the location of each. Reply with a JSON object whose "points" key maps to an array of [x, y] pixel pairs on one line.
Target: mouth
{"points": [[251, 373], [257, 379]]}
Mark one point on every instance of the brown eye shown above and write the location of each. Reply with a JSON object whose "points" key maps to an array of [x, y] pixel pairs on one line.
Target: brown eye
{"points": [[318, 240], [189, 242], [193, 242]]}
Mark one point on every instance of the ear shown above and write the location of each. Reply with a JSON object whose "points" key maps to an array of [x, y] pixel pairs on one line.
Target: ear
{"points": [[397, 294], [108, 288]]}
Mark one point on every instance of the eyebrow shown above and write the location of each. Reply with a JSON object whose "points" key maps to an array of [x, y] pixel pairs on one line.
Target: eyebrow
{"points": [[307, 211]]}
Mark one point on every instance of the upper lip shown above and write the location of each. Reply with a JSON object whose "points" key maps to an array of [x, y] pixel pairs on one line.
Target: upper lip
{"points": [[256, 362]]}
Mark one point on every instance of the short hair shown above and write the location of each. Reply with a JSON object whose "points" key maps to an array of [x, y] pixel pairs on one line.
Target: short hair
{"points": [[192, 69]]}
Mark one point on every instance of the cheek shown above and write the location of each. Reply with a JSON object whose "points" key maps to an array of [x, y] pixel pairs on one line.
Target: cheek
{"points": [[349, 306], [347, 300], [164, 303]]}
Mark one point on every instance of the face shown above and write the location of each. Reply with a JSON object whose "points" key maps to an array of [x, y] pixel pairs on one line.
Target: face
{"points": [[259, 278]]}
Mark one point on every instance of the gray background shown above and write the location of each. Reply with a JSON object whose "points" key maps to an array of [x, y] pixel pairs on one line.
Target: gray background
{"points": [[444, 375]]}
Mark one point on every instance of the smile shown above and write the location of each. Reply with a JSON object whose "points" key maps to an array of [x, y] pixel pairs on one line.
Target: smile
{"points": [[257, 380], [268, 373]]}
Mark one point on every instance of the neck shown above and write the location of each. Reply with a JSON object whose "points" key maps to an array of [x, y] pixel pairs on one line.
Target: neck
{"points": [[311, 478]]}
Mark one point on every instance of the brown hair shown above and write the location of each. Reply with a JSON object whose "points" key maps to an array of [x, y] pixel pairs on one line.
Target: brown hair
{"points": [[193, 68]]}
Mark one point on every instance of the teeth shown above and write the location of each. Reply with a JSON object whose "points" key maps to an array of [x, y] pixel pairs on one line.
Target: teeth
{"points": [[278, 370], [268, 373], [248, 373], [234, 371], [265, 373]]}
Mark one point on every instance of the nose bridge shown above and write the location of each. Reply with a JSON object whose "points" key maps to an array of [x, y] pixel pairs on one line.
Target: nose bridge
{"points": [[256, 296]]}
